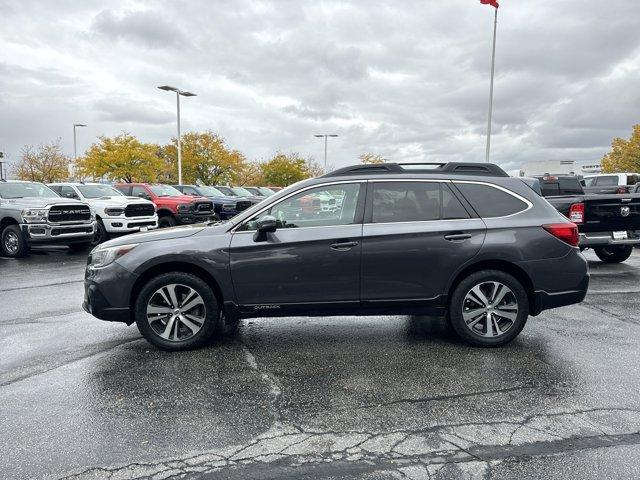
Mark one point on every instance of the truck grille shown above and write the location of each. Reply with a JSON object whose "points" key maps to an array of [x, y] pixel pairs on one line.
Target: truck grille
{"points": [[139, 210], [242, 205], [204, 207], [69, 213]]}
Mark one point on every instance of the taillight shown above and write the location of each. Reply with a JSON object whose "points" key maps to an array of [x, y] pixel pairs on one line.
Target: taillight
{"points": [[567, 232], [576, 213]]}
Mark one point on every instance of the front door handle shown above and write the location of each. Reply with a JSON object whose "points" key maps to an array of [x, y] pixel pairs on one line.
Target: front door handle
{"points": [[453, 237], [344, 245]]}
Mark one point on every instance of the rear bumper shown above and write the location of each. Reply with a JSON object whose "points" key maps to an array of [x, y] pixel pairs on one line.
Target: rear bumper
{"points": [[596, 239], [546, 300]]}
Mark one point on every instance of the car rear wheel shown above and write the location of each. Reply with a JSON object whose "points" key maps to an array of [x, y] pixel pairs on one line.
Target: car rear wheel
{"points": [[489, 308], [12, 242], [614, 253], [177, 311]]}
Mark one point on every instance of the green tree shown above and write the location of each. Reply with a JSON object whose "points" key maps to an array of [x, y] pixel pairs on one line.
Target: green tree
{"points": [[45, 164], [122, 157], [205, 158], [371, 158], [624, 155], [250, 174], [284, 169]]}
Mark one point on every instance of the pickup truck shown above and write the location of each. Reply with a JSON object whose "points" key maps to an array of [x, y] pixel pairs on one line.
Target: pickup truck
{"points": [[610, 224], [173, 207], [606, 183], [33, 214], [223, 205], [115, 213]]}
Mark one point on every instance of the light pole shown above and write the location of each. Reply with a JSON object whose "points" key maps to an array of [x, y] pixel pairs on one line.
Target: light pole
{"points": [[184, 94], [75, 148], [325, 135]]}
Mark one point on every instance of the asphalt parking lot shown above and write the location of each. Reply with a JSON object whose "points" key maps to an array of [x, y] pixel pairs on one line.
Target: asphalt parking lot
{"points": [[339, 397]]}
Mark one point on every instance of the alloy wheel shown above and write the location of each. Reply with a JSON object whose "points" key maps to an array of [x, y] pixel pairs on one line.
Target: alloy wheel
{"points": [[176, 312], [490, 309], [11, 243]]}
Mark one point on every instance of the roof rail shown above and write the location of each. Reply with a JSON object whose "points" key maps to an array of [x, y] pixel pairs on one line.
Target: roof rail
{"points": [[455, 168]]}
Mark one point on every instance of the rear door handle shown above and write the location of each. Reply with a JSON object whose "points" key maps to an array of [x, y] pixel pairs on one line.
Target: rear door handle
{"points": [[344, 245], [452, 237]]}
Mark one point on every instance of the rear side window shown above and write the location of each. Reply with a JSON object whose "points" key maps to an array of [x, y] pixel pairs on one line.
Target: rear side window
{"points": [[414, 202], [490, 201], [607, 181]]}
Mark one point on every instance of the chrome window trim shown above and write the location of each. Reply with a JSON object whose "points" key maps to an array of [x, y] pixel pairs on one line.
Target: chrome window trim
{"points": [[270, 205]]}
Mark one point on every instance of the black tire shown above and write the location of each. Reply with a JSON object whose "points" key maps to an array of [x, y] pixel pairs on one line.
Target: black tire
{"points": [[209, 329], [167, 221], [12, 243], [614, 253], [459, 301], [80, 247], [101, 234]]}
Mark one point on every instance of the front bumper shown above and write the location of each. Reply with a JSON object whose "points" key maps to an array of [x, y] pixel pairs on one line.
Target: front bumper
{"points": [[35, 233], [123, 224], [188, 218], [599, 239], [107, 293]]}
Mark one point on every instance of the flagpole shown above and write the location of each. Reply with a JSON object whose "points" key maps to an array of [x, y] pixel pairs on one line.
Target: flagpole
{"points": [[493, 65]]}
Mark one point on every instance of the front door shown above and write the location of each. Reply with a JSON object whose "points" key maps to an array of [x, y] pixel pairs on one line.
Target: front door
{"points": [[311, 260], [415, 236]]}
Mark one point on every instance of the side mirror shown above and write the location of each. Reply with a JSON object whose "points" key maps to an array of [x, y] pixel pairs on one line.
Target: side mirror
{"points": [[143, 195], [264, 225]]}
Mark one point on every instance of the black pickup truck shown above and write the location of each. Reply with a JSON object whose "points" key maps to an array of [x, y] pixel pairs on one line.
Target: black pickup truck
{"points": [[610, 224]]}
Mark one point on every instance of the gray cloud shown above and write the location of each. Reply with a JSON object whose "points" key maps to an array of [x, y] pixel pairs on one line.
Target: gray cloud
{"points": [[408, 80]]}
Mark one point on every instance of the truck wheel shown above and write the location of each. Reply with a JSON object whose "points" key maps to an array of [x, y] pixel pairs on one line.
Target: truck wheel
{"points": [[101, 234], [167, 221], [13, 243], [614, 253], [80, 247], [177, 311], [488, 308]]}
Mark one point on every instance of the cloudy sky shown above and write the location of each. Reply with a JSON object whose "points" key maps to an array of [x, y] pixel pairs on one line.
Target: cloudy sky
{"points": [[406, 79]]}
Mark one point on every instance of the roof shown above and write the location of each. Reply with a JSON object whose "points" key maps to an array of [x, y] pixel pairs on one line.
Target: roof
{"points": [[450, 168]]}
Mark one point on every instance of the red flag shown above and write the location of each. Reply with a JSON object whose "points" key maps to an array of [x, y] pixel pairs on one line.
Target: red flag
{"points": [[493, 3]]}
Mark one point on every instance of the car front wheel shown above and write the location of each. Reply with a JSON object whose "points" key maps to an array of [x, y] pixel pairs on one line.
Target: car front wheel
{"points": [[489, 308], [177, 311], [12, 242]]}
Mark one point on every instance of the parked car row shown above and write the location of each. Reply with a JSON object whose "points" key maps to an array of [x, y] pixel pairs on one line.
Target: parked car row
{"points": [[81, 215]]}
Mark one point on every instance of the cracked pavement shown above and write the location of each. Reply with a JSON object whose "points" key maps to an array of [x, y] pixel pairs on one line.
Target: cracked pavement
{"points": [[388, 397]]}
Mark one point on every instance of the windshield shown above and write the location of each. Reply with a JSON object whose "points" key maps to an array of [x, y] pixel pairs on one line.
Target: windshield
{"points": [[165, 191], [210, 192], [26, 190], [97, 191], [266, 191], [227, 191], [254, 191], [243, 192]]}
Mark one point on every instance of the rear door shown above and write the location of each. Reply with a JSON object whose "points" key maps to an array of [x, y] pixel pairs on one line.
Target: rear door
{"points": [[312, 259], [415, 235]]}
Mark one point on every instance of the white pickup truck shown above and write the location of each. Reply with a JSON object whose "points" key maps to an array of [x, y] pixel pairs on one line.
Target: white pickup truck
{"points": [[115, 213]]}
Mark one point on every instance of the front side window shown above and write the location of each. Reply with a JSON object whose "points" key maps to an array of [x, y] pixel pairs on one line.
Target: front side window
{"points": [[137, 191], [317, 207], [490, 201]]}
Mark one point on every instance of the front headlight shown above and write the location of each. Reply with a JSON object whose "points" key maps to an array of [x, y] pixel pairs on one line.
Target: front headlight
{"points": [[33, 215], [183, 207], [114, 212], [101, 257]]}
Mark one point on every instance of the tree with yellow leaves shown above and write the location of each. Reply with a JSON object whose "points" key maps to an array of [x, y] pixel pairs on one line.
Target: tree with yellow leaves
{"points": [[122, 157], [371, 158], [205, 158], [45, 164], [624, 155], [285, 169]]}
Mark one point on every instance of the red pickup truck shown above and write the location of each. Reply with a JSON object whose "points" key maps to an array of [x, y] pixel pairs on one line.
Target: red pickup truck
{"points": [[173, 207]]}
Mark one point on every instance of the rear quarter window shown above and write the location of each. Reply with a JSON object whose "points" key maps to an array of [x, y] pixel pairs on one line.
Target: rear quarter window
{"points": [[489, 201]]}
